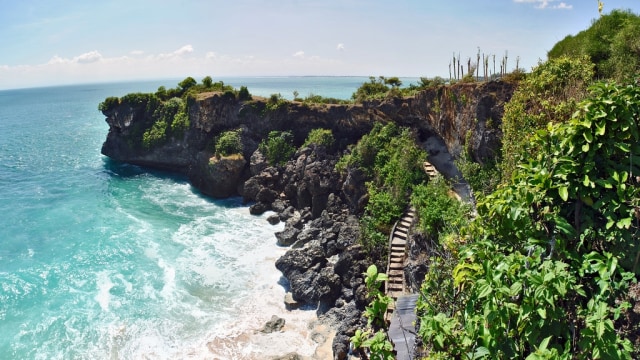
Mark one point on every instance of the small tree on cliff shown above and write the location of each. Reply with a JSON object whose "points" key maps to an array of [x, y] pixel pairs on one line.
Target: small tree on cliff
{"points": [[187, 84], [207, 82]]}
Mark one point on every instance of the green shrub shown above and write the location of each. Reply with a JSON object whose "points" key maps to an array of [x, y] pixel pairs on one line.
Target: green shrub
{"points": [[155, 135], [109, 103], [278, 147], [229, 142], [276, 102], [438, 212], [374, 89], [322, 137], [243, 94], [552, 253]]}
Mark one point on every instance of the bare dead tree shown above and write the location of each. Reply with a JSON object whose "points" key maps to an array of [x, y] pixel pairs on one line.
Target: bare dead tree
{"points": [[494, 64], [478, 65]]}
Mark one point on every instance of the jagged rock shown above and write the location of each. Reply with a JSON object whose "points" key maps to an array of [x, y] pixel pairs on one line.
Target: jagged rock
{"points": [[290, 303], [259, 208], [273, 325], [290, 356], [273, 219], [257, 163], [287, 236], [220, 176]]}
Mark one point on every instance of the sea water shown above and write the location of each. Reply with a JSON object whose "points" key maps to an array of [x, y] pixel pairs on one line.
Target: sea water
{"points": [[104, 260]]}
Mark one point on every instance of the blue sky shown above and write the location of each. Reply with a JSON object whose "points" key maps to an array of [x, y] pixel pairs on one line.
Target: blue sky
{"points": [[44, 42]]}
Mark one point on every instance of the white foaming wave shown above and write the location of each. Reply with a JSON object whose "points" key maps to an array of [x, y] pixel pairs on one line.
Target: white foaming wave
{"points": [[104, 285]]}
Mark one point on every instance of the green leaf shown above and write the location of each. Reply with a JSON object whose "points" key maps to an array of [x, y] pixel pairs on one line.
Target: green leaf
{"points": [[481, 352], [484, 289], [563, 192], [600, 128], [585, 147], [542, 312], [587, 136]]}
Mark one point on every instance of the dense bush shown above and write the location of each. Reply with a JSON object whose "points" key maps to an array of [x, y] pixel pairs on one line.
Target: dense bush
{"points": [[390, 157], [229, 143], [278, 147], [155, 135], [322, 137], [549, 94], [548, 259], [243, 94], [611, 43], [109, 103], [438, 212]]}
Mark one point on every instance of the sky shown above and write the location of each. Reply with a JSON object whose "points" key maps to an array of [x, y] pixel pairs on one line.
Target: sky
{"points": [[45, 42]]}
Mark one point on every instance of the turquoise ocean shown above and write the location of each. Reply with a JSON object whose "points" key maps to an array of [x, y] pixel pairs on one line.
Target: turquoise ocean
{"points": [[104, 260]]}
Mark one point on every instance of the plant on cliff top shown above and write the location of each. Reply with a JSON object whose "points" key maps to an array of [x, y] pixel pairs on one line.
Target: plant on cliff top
{"points": [[549, 94]]}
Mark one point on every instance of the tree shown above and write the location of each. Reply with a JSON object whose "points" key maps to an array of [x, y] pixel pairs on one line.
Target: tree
{"points": [[187, 84], [393, 81], [207, 82]]}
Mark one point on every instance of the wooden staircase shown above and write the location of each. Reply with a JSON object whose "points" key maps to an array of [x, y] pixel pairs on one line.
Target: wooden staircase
{"points": [[430, 169], [395, 285]]}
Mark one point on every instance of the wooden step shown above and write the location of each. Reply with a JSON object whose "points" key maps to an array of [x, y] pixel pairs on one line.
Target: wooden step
{"points": [[395, 273], [405, 223], [398, 241], [400, 235], [401, 229]]}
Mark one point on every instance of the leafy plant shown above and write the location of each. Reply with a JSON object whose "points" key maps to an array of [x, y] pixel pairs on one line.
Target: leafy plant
{"points": [[322, 137], [278, 147], [229, 143]]}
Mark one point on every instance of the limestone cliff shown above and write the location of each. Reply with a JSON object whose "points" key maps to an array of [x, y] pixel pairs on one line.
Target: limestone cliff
{"points": [[460, 117]]}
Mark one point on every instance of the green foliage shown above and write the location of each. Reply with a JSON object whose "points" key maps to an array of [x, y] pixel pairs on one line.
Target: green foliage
{"points": [[276, 102], [322, 137], [243, 94], [548, 259], [109, 103], [438, 212], [187, 84], [278, 147], [393, 82], [374, 89], [549, 94], [483, 178], [377, 343], [207, 82], [318, 99], [611, 43], [229, 143], [390, 157], [155, 135]]}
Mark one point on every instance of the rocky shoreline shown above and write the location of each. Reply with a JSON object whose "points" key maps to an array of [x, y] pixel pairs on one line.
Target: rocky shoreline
{"points": [[319, 206]]}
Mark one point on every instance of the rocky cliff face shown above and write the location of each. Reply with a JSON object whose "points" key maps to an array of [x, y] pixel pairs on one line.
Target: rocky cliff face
{"points": [[325, 264], [463, 117]]}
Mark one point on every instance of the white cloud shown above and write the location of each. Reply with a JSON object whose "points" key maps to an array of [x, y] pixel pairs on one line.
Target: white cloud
{"points": [[211, 55], [182, 51], [137, 52], [340, 47], [546, 4], [86, 58], [299, 54]]}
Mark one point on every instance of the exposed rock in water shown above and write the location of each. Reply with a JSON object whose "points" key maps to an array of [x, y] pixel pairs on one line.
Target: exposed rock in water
{"points": [[273, 325]]}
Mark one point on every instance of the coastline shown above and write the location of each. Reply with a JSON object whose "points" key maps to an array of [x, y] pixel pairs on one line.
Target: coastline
{"points": [[240, 338]]}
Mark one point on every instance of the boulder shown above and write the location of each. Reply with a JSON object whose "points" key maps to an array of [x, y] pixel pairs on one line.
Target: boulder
{"points": [[273, 325]]}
